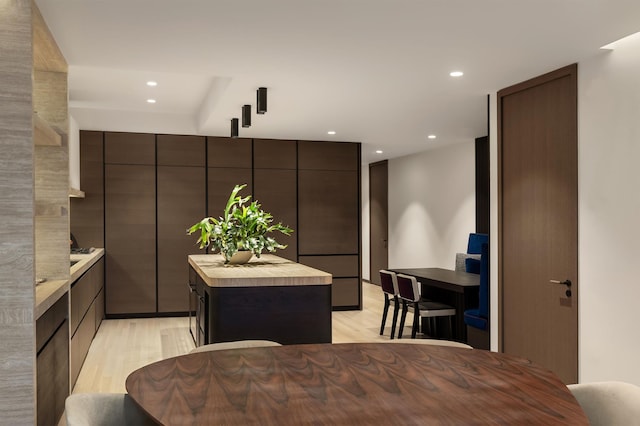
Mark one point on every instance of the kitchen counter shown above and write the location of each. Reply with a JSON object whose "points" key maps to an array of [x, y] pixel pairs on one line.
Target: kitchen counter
{"points": [[267, 271], [48, 292], [269, 298]]}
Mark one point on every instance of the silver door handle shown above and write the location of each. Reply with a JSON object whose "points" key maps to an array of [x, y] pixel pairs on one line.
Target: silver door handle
{"points": [[565, 282]]}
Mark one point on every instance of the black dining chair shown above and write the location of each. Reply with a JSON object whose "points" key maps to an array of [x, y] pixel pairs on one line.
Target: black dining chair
{"points": [[389, 283], [409, 293]]}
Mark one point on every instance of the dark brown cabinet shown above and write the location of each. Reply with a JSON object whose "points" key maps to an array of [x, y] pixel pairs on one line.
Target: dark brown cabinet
{"points": [[229, 164], [329, 215], [52, 362], [87, 214], [156, 186], [181, 201], [130, 243], [87, 312], [275, 187]]}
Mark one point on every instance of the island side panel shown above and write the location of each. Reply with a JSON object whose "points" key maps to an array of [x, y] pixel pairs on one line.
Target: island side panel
{"points": [[288, 314]]}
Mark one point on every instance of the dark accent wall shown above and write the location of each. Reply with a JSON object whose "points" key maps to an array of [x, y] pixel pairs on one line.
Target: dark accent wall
{"points": [[144, 190], [482, 185]]}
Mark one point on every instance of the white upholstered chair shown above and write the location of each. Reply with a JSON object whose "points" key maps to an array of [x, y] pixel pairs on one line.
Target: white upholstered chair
{"points": [[234, 345], [104, 409], [609, 403]]}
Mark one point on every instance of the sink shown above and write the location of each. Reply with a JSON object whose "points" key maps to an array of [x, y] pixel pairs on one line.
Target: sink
{"points": [[73, 262]]}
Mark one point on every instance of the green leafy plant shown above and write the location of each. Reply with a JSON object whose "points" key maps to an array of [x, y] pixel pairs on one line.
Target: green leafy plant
{"points": [[244, 226]]}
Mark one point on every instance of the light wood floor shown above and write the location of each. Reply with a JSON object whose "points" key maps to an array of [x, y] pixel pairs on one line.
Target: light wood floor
{"points": [[122, 346]]}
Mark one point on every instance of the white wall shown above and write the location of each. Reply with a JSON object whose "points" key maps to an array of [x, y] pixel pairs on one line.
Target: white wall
{"points": [[431, 206], [609, 208], [366, 235], [74, 154]]}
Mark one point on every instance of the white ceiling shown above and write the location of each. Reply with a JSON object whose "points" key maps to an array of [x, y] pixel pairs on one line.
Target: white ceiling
{"points": [[374, 71]]}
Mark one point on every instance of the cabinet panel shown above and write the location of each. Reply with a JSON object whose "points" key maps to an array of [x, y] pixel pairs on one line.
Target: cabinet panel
{"points": [[175, 150], [129, 148], [221, 183], [81, 342], [338, 266], [181, 203], [87, 214], [52, 376], [328, 216], [328, 155], [276, 190], [229, 152], [274, 154], [49, 322], [130, 211], [345, 292], [97, 276], [82, 295], [99, 303]]}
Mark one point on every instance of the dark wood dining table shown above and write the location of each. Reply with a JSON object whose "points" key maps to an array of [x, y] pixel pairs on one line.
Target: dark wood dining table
{"points": [[456, 288], [352, 383]]}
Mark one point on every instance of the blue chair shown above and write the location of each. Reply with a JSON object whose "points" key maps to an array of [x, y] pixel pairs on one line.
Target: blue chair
{"points": [[477, 320], [474, 246]]}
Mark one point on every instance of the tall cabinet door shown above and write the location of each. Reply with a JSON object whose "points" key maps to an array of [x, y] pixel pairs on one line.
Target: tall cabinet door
{"points": [[130, 225], [87, 214], [275, 188], [229, 164], [329, 215], [181, 203]]}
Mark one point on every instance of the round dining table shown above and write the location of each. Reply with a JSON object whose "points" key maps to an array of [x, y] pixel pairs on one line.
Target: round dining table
{"points": [[352, 384]]}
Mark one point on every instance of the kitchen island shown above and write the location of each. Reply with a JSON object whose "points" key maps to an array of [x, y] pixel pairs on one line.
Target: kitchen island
{"points": [[269, 298]]}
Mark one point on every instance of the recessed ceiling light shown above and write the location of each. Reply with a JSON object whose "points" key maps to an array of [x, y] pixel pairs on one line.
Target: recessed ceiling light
{"points": [[331, 132], [456, 73], [431, 136], [151, 101], [379, 151], [152, 83]]}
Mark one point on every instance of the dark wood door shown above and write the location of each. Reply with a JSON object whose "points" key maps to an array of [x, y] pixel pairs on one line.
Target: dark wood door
{"points": [[378, 216], [130, 226], [181, 203], [539, 221]]}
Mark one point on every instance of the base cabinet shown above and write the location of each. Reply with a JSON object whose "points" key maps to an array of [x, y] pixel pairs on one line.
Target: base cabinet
{"points": [[52, 362], [87, 311]]}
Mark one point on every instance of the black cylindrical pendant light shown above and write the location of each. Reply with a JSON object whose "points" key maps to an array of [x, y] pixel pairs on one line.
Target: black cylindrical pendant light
{"points": [[246, 116], [261, 104], [234, 127]]}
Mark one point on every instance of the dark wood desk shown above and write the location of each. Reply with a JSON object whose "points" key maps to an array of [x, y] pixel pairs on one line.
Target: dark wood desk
{"points": [[352, 383], [459, 289]]}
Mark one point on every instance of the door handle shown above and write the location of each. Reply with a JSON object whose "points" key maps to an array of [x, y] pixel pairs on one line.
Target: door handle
{"points": [[565, 282]]}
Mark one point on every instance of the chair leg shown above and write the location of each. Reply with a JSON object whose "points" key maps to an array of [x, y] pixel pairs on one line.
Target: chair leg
{"points": [[402, 318], [396, 308], [416, 318], [384, 314]]}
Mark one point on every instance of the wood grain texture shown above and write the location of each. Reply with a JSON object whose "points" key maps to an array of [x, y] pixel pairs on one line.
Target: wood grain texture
{"points": [[328, 215], [46, 53], [177, 150], [274, 154], [181, 202], [276, 191], [229, 152], [130, 210], [352, 384], [129, 148], [87, 214], [17, 326], [328, 155], [538, 137], [267, 271]]}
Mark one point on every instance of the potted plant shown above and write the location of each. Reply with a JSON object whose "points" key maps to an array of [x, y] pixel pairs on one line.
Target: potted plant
{"points": [[244, 227]]}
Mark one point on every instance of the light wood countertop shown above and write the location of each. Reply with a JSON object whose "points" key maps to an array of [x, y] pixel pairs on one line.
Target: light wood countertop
{"points": [[267, 271], [48, 292]]}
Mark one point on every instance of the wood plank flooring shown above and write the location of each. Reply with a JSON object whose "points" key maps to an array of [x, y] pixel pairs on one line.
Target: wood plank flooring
{"points": [[122, 346]]}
